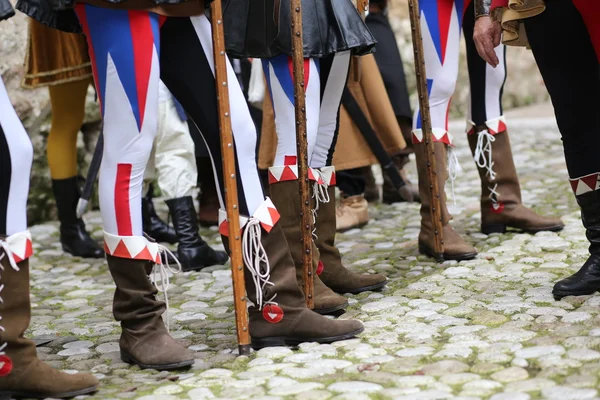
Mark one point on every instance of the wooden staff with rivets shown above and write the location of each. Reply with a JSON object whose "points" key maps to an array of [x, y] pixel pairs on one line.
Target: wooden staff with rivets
{"points": [[229, 176], [436, 212], [302, 149]]}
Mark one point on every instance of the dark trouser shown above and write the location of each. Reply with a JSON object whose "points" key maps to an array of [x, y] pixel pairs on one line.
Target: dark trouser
{"points": [[565, 56], [351, 182]]}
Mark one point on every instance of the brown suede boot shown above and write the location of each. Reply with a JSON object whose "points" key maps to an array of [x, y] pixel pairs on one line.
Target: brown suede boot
{"points": [[334, 274], [279, 315], [22, 374], [501, 205], [455, 248], [285, 197], [390, 193], [144, 340]]}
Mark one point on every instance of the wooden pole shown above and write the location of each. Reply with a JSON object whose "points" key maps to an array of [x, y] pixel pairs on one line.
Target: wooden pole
{"points": [[229, 176], [301, 149], [436, 212]]}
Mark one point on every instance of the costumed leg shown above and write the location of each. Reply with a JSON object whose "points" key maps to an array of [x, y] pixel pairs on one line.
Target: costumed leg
{"points": [[153, 225], [177, 178], [279, 315], [501, 204], [68, 109], [284, 185], [334, 73], [573, 83], [22, 374], [440, 25], [126, 73]]}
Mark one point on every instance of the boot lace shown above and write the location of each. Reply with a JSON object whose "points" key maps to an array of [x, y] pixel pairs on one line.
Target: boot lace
{"points": [[11, 260], [454, 169], [163, 270], [483, 159], [321, 195], [257, 262]]}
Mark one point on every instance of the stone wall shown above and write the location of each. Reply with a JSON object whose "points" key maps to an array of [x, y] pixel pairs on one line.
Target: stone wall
{"points": [[524, 86]]}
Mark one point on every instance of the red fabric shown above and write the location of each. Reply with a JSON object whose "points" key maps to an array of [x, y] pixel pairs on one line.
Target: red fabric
{"points": [[499, 3], [590, 11]]}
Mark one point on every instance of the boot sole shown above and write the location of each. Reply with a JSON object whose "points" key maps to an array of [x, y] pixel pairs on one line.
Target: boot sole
{"points": [[159, 367], [280, 341], [32, 395], [72, 252], [499, 228], [359, 226], [559, 295], [373, 288], [444, 257], [335, 310]]}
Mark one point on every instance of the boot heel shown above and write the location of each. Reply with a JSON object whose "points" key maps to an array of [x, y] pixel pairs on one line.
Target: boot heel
{"points": [[428, 252], [260, 343], [493, 228]]}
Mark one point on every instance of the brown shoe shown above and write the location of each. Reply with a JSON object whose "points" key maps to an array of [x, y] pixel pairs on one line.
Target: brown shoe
{"points": [[455, 248], [351, 212], [334, 274], [501, 205], [285, 196], [390, 193], [22, 374], [279, 316], [144, 340]]}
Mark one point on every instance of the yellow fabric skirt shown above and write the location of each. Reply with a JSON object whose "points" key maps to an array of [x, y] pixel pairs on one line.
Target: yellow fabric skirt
{"points": [[54, 57]]}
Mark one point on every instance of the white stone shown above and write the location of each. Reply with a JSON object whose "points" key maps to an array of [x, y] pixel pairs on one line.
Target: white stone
{"points": [[509, 335], [302, 357], [107, 347], [459, 379], [530, 385], [295, 389], [73, 352], [169, 389], [539, 351], [200, 394], [558, 312], [82, 344], [280, 381], [511, 396], [216, 373], [426, 395], [568, 393], [355, 387], [307, 373], [575, 317], [415, 351], [511, 374], [583, 354], [328, 363], [378, 306], [274, 352]]}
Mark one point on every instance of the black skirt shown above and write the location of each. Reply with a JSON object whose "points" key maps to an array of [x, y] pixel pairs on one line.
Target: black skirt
{"points": [[262, 28]]}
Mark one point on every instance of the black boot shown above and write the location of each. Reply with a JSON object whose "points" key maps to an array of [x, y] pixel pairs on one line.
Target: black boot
{"points": [[193, 252], [587, 279], [155, 227], [73, 236]]}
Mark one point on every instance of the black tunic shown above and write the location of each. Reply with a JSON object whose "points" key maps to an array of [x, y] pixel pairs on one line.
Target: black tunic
{"points": [[390, 64], [262, 28], [6, 10]]}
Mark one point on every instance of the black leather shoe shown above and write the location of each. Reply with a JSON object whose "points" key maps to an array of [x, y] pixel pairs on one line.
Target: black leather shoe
{"points": [[73, 236], [193, 252], [587, 280], [155, 227], [584, 282]]}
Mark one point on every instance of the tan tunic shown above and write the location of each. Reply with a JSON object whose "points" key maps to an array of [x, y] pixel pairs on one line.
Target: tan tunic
{"points": [[514, 31], [351, 150]]}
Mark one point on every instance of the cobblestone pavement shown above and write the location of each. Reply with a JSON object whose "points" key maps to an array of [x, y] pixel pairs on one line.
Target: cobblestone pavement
{"points": [[487, 328]]}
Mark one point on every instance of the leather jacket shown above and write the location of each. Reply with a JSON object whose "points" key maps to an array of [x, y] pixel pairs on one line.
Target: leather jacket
{"points": [[42, 11], [6, 10]]}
